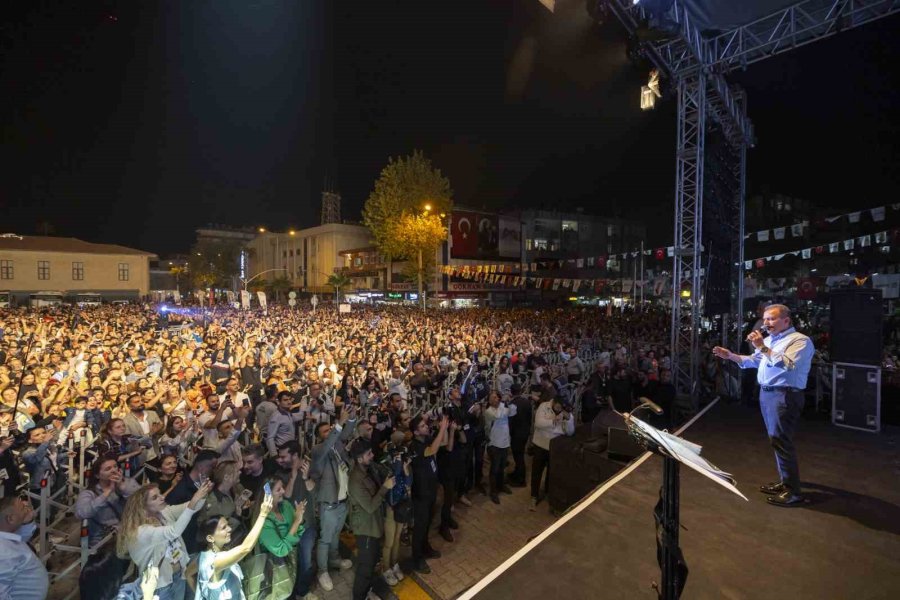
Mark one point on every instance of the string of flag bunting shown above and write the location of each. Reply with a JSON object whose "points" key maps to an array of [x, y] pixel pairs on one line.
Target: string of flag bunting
{"points": [[779, 233], [514, 275], [882, 239]]}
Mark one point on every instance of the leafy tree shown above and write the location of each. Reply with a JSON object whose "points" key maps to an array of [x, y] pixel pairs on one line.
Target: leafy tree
{"points": [[214, 264], [407, 209], [338, 282], [178, 271], [279, 285]]}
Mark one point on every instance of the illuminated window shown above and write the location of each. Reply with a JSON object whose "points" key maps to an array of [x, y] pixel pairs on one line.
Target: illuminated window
{"points": [[529, 244], [44, 269], [540, 244], [570, 225]]}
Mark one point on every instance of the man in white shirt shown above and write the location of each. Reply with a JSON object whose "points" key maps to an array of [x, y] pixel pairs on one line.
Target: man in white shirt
{"points": [[496, 421], [233, 392], [397, 383], [22, 574]]}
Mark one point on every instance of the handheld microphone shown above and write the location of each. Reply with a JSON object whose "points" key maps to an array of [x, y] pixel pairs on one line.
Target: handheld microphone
{"points": [[761, 331]]}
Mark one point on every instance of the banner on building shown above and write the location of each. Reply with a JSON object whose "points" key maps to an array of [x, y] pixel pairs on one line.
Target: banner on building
{"points": [[510, 238], [261, 295]]}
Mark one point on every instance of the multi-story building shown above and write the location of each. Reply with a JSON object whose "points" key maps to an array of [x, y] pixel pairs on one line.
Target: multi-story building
{"points": [[69, 267], [308, 257]]}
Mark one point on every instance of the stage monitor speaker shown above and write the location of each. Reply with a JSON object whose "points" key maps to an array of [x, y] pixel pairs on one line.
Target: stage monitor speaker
{"points": [[856, 396], [856, 326], [622, 446]]}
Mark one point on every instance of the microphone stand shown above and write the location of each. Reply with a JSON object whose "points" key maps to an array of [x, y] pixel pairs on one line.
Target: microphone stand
{"points": [[666, 514]]}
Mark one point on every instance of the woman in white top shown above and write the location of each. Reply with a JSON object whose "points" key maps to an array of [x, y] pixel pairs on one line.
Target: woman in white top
{"points": [[219, 577], [150, 533]]}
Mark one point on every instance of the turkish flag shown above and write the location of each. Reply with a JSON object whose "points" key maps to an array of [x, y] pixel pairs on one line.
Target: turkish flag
{"points": [[660, 253], [464, 234], [601, 261], [820, 249], [760, 263], [807, 288]]}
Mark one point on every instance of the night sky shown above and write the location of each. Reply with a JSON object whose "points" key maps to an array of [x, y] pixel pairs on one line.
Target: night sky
{"points": [[135, 122]]}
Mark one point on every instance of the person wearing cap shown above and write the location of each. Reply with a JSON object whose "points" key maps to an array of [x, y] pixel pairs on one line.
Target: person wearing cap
{"points": [[367, 519]]}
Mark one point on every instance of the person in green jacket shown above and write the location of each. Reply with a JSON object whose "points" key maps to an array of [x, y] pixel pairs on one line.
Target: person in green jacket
{"points": [[367, 519], [277, 547]]}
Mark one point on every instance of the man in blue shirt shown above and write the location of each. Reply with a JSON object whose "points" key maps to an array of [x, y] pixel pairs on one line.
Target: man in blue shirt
{"points": [[782, 361]]}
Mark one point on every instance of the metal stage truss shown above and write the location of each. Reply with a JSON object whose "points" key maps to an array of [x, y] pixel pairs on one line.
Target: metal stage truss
{"points": [[695, 60]]}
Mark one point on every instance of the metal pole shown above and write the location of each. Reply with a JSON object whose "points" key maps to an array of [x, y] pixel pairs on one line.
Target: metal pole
{"points": [[421, 296], [670, 578], [642, 275]]}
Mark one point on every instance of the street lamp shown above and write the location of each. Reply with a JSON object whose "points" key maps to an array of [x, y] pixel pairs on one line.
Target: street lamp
{"points": [[247, 281]]}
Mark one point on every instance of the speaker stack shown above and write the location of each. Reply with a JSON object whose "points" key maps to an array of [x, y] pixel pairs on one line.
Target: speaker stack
{"points": [[856, 338]]}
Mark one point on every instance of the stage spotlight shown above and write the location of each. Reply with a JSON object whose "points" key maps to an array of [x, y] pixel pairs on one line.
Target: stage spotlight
{"points": [[651, 91]]}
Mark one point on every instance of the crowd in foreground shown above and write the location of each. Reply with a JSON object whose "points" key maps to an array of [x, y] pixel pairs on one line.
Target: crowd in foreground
{"points": [[224, 452]]}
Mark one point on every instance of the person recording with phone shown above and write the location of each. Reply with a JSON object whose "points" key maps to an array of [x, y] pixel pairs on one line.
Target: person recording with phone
{"points": [[368, 488], [301, 488], [151, 532], [271, 573], [550, 420], [330, 470], [424, 447], [219, 576], [204, 463]]}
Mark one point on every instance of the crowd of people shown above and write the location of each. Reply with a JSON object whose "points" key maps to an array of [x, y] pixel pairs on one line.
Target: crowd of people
{"points": [[224, 452]]}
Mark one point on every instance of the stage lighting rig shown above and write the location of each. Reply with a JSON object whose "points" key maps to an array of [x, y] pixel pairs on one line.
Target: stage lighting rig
{"points": [[651, 91]]}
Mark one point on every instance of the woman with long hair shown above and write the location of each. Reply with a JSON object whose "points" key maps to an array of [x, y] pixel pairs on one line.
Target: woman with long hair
{"points": [[168, 475], [272, 571], [150, 533], [179, 439], [219, 576], [102, 502]]}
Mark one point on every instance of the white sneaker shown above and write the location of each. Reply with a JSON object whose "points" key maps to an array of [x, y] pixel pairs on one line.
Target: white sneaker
{"points": [[533, 506], [325, 581], [390, 577], [398, 572], [310, 596], [342, 563]]}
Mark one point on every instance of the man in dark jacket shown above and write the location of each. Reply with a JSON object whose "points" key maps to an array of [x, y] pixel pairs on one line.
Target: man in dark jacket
{"points": [[367, 520], [520, 431]]}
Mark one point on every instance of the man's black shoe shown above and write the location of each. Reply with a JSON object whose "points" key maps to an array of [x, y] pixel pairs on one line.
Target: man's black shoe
{"points": [[506, 489], [431, 553], [422, 567], [445, 533], [787, 499], [451, 522], [772, 489], [495, 499]]}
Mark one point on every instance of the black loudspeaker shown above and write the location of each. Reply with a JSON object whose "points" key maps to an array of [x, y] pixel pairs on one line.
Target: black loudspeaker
{"points": [[856, 397], [622, 446], [856, 326]]}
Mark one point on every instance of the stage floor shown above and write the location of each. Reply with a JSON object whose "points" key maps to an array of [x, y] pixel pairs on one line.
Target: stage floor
{"points": [[845, 544]]}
